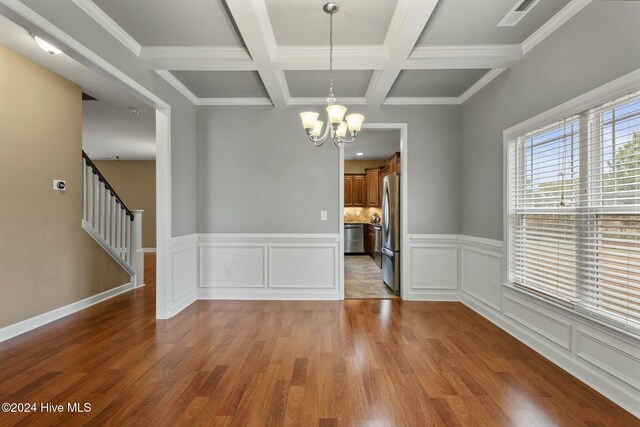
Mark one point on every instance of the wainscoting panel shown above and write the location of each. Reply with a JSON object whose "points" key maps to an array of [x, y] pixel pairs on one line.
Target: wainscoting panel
{"points": [[303, 266], [433, 268], [538, 319], [481, 269], [269, 266], [224, 266], [605, 352], [184, 260]]}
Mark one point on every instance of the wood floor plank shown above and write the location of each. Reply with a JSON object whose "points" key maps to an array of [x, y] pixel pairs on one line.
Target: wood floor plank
{"points": [[290, 363]]}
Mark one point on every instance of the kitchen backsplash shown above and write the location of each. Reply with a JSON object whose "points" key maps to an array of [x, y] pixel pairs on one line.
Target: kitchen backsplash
{"points": [[360, 214]]}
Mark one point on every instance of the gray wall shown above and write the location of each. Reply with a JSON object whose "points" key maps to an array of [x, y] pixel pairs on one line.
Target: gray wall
{"points": [[72, 20], [599, 44], [258, 172]]}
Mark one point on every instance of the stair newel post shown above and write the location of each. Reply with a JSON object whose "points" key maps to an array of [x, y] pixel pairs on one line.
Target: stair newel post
{"points": [[137, 255]]}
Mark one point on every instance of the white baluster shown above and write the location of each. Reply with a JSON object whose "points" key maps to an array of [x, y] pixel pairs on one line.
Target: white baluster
{"points": [[84, 190], [89, 216], [123, 237], [96, 202], [107, 226], [118, 229], [114, 221], [128, 240]]}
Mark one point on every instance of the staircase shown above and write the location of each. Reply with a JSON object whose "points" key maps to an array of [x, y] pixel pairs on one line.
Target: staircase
{"points": [[110, 223]]}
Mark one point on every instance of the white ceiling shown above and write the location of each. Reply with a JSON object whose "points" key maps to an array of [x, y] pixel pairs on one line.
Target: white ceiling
{"points": [[435, 83], [302, 22], [285, 43], [348, 83], [109, 131], [374, 145], [222, 84], [465, 22], [173, 23]]}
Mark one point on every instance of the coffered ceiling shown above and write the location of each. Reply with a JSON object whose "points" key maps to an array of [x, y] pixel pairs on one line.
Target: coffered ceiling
{"points": [[275, 52]]}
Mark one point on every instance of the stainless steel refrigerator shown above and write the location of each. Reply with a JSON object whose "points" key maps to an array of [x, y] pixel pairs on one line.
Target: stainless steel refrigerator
{"points": [[391, 241]]}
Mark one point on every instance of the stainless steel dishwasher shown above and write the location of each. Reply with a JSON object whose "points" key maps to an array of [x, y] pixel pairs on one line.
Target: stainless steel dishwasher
{"points": [[354, 238]]}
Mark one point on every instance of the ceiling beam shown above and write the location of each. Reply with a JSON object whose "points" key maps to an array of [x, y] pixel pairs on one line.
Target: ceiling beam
{"points": [[253, 23], [456, 57], [345, 57], [409, 19], [196, 58]]}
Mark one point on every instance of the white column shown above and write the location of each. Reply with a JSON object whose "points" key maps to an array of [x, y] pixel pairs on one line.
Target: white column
{"points": [[137, 256]]}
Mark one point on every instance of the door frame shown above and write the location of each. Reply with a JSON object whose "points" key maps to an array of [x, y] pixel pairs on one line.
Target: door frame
{"points": [[404, 191]]}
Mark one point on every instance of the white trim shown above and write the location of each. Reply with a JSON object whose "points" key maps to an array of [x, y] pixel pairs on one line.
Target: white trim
{"points": [[323, 101], [469, 56], [477, 86], [98, 15], [233, 101], [266, 238], [345, 57], [421, 101], [213, 58], [42, 319], [149, 250], [553, 24], [108, 249], [178, 85]]}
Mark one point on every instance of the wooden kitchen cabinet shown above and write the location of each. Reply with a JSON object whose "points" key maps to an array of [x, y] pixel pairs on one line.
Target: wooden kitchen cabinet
{"points": [[370, 240], [355, 190], [348, 190], [373, 187]]}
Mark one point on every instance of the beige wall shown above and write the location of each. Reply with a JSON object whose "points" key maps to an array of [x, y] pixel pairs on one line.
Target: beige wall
{"points": [[46, 259], [135, 183], [358, 166]]}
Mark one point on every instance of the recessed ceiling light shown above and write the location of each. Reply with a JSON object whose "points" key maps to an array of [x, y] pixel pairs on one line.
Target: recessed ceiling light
{"points": [[46, 46], [359, 154]]}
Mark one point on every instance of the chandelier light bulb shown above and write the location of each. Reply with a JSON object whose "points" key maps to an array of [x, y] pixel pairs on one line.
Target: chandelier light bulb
{"points": [[317, 128], [309, 119], [355, 122], [342, 130], [336, 113]]}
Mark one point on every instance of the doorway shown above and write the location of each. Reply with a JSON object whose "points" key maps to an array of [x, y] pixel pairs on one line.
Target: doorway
{"points": [[370, 173]]}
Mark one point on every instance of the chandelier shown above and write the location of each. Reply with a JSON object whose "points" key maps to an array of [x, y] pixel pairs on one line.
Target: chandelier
{"points": [[337, 124]]}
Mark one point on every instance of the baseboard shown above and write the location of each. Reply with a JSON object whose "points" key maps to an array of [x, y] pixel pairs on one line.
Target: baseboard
{"points": [[433, 295], [182, 303], [266, 295], [42, 319], [564, 360], [148, 250]]}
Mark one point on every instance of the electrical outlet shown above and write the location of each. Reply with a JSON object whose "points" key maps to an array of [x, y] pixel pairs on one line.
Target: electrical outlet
{"points": [[229, 273], [323, 215]]}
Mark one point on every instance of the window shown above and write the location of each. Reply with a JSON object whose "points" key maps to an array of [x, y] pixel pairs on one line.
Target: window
{"points": [[574, 212]]}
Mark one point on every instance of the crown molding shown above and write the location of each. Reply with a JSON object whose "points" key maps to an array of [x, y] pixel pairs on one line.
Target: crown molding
{"points": [[218, 58], [453, 100], [345, 57], [233, 101], [469, 56], [484, 80], [178, 85], [323, 101], [98, 15], [553, 24]]}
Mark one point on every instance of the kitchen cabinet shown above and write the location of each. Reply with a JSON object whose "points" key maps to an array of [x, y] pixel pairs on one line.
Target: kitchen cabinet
{"points": [[373, 187], [370, 240], [355, 190], [348, 190]]}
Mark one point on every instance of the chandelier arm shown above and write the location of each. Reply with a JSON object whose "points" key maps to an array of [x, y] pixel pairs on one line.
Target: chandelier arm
{"points": [[346, 141]]}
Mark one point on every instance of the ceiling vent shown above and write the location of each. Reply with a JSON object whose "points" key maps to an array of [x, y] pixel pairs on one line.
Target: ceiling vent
{"points": [[518, 12]]}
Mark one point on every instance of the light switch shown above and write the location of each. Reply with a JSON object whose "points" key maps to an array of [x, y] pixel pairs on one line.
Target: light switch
{"points": [[323, 215]]}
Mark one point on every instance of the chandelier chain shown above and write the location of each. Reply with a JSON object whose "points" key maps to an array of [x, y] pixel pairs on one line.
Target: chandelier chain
{"points": [[331, 53]]}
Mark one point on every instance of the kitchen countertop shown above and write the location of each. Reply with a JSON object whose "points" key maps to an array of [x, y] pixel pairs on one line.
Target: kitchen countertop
{"points": [[365, 223]]}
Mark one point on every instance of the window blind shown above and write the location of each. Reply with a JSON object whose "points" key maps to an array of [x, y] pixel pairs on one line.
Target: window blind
{"points": [[574, 211]]}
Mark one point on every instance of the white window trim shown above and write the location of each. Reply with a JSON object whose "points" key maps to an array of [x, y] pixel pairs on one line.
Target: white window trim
{"points": [[615, 89]]}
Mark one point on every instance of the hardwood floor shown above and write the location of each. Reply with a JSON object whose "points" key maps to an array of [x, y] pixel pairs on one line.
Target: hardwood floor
{"points": [[298, 363]]}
